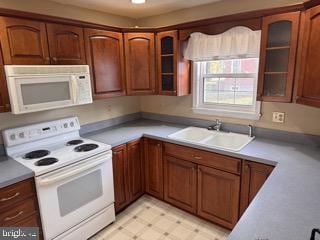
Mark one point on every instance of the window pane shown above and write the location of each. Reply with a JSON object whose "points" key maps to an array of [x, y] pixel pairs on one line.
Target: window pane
{"points": [[226, 97], [249, 65], [244, 98], [246, 65], [230, 82], [245, 84], [227, 84], [211, 88]]}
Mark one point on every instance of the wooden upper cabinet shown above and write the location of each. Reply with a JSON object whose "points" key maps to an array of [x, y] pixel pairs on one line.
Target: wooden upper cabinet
{"points": [[140, 63], [23, 41], [66, 44], [4, 96], [120, 177], [173, 72], [136, 169], [218, 196], [309, 78], [278, 56], [153, 167], [105, 55], [180, 183], [254, 176]]}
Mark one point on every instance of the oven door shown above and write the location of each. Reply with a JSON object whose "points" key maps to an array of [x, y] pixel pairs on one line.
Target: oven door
{"points": [[74, 193], [38, 93]]}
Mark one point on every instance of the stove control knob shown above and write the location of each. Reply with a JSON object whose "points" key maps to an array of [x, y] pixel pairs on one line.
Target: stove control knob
{"points": [[13, 137], [21, 135], [72, 124], [65, 125]]}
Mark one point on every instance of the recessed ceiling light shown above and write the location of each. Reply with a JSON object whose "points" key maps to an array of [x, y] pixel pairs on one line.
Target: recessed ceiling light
{"points": [[138, 1]]}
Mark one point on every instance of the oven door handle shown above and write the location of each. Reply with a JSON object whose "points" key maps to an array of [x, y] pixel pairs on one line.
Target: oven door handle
{"points": [[77, 169]]}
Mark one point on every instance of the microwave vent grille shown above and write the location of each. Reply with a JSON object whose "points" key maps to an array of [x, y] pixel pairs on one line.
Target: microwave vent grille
{"points": [[40, 70]]}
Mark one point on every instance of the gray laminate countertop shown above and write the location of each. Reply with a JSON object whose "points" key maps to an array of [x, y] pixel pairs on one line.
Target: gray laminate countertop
{"points": [[286, 207], [12, 172]]}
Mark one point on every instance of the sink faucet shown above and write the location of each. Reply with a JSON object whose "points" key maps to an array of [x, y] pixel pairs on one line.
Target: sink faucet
{"points": [[250, 130], [216, 126]]}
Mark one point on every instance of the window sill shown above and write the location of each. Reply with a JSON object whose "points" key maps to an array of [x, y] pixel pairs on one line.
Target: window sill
{"points": [[227, 113]]}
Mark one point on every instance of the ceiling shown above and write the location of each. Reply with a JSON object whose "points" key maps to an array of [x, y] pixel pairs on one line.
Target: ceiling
{"points": [[125, 8]]}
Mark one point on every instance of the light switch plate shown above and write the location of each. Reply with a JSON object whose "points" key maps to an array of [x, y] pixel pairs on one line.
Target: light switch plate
{"points": [[278, 117]]}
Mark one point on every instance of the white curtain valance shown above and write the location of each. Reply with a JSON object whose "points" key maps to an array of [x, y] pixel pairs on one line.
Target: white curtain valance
{"points": [[237, 42]]}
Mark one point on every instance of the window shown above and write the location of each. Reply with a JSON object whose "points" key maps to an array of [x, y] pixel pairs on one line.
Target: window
{"points": [[227, 88]]}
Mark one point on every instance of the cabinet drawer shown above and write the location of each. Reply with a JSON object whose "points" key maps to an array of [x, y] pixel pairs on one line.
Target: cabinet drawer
{"points": [[214, 160], [18, 212], [32, 221], [11, 194]]}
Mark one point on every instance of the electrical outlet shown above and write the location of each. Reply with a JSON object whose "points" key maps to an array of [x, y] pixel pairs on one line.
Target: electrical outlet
{"points": [[278, 117]]}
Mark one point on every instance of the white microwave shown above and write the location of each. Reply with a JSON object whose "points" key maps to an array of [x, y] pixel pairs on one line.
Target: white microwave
{"points": [[42, 87]]}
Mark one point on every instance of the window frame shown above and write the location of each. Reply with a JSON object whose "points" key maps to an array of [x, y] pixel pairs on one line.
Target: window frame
{"points": [[219, 109]]}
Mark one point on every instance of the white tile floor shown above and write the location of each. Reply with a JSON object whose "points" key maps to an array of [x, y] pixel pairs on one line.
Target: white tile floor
{"points": [[151, 219]]}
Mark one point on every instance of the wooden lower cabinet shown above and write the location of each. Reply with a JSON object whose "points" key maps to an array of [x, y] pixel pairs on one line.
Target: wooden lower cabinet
{"points": [[120, 168], [128, 173], [218, 196], [135, 169], [154, 167], [214, 187], [254, 176], [180, 183], [19, 206]]}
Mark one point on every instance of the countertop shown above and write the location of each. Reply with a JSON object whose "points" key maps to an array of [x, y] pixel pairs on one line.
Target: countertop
{"points": [[12, 172], [286, 207]]}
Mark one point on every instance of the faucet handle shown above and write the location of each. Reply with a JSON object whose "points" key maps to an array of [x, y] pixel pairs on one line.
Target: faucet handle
{"points": [[250, 130]]}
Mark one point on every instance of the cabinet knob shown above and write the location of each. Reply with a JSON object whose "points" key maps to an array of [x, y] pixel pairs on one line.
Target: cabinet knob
{"points": [[54, 59]]}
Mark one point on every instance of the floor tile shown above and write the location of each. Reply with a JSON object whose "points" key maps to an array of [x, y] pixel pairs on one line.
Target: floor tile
{"points": [[151, 219]]}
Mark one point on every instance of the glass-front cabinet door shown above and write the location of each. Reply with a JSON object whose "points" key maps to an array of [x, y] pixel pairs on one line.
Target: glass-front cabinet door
{"points": [[277, 57], [172, 69]]}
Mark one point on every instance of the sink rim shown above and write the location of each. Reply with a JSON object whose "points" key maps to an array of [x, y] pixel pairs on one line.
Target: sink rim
{"points": [[212, 135]]}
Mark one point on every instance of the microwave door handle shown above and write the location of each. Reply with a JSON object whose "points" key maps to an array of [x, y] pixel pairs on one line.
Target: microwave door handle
{"points": [[75, 88], [80, 169]]}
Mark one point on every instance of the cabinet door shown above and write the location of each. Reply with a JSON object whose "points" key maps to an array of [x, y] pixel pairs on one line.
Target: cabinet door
{"points": [[140, 63], [105, 55], [154, 167], [23, 41], [173, 76], [278, 56], [253, 177], [120, 173], [66, 44], [135, 169], [4, 96], [180, 183], [309, 85], [218, 196]]}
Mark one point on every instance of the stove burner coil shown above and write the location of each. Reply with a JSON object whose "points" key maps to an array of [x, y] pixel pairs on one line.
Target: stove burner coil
{"points": [[36, 154], [85, 147], [46, 161]]}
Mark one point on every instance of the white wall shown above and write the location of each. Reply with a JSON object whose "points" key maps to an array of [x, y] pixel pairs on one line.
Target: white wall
{"points": [[299, 118], [90, 113]]}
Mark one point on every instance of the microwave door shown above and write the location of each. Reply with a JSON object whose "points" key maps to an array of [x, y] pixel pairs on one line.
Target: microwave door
{"points": [[44, 92]]}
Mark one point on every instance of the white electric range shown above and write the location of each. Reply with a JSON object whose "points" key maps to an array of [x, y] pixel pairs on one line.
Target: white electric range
{"points": [[73, 175]]}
